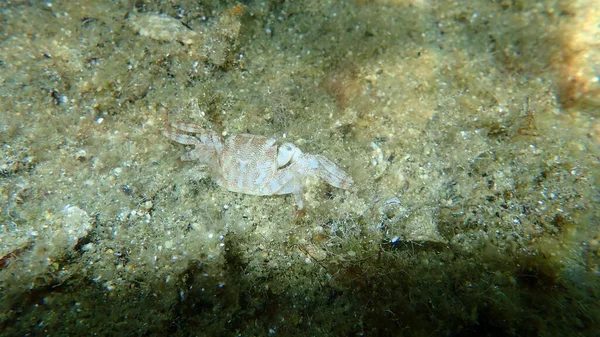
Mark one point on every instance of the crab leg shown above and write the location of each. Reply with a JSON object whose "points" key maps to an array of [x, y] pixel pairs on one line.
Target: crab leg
{"points": [[187, 127], [207, 148]]}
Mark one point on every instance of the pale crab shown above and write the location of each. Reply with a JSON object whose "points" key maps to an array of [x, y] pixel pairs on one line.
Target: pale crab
{"points": [[256, 165]]}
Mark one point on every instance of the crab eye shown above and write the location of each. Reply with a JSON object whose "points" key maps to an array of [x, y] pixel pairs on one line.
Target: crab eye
{"points": [[284, 154]]}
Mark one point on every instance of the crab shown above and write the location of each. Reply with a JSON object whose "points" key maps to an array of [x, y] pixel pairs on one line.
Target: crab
{"points": [[256, 165]]}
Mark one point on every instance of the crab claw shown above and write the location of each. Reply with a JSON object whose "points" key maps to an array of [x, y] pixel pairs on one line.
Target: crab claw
{"points": [[323, 168]]}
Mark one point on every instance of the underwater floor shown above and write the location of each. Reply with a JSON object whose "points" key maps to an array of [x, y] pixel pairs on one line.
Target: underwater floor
{"points": [[447, 186]]}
